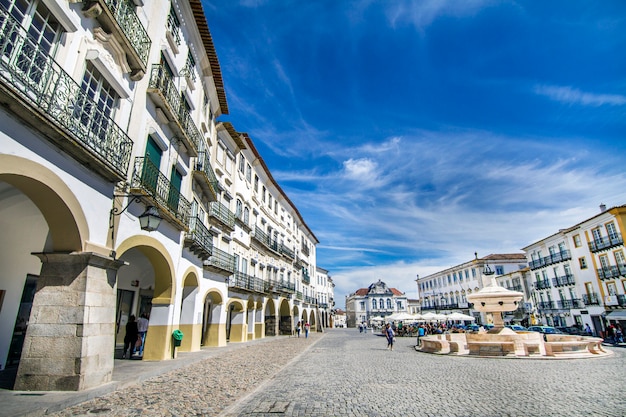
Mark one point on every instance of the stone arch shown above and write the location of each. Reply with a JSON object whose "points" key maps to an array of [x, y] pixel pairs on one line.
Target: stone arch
{"points": [[236, 330], [271, 323], [312, 320], [150, 264], [69, 230], [286, 322], [192, 330], [213, 329]]}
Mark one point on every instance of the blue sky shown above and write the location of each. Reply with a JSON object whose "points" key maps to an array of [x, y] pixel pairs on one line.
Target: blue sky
{"points": [[411, 134]]}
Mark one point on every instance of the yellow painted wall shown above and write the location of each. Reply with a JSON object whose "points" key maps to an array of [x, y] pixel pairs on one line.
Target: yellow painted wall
{"points": [[216, 335], [259, 330], [158, 343], [238, 332], [191, 337]]}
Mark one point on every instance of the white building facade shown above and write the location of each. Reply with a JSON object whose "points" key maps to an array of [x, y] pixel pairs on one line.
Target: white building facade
{"points": [[446, 291], [377, 300], [578, 274], [109, 113]]}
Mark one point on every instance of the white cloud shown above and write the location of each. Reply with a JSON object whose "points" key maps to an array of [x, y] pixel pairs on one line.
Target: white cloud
{"points": [[566, 94], [363, 169], [422, 14]]}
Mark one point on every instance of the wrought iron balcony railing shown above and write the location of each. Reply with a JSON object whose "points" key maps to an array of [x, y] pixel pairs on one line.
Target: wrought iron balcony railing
{"points": [[265, 239], [165, 94], [198, 239], [542, 284], [204, 175], [606, 242], [246, 282], [591, 299], [220, 261], [220, 212], [149, 181], [517, 288], [72, 120], [611, 272], [284, 250], [299, 295], [304, 249], [119, 18], [546, 305], [567, 304], [553, 258], [564, 280]]}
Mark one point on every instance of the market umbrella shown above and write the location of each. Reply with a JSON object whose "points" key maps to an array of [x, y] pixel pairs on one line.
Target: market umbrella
{"points": [[459, 316]]}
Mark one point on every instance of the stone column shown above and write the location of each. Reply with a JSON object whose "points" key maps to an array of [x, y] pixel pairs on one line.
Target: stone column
{"points": [[70, 340]]}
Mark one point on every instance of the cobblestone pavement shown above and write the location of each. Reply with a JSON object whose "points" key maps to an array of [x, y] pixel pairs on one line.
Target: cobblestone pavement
{"points": [[345, 373], [204, 388], [352, 374]]}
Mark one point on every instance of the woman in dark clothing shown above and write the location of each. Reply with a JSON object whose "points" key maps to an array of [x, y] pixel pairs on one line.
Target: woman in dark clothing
{"points": [[131, 337]]}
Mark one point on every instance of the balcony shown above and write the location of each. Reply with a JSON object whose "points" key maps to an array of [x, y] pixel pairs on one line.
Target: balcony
{"points": [[198, 239], [546, 305], [280, 287], [310, 300], [265, 239], [567, 304], [517, 288], [591, 299], [621, 300], [299, 295], [222, 214], [611, 272], [285, 251], [245, 282], [205, 177], [606, 242], [553, 258], [450, 306], [37, 90], [542, 285], [150, 182], [118, 17], [163, 92], [220, 262], [564, 280]]}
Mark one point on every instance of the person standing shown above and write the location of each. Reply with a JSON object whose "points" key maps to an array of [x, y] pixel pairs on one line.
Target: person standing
{"points": [[142, 328], [420, 333], [131, 337], [389, 334], [307, 327], [299, 328]]}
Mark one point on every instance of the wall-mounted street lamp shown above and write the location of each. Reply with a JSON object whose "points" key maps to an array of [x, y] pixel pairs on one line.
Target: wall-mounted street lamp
{"points": [[148, 221]]}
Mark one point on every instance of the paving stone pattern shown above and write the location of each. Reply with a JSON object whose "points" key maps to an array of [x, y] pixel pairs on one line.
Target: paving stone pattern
{"points": [[346, 373]]}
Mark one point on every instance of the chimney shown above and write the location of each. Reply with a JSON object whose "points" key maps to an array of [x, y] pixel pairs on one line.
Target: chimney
{"points": [[602, 207]]}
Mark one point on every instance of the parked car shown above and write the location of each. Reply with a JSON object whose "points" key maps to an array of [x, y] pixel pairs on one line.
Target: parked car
{"points": [[572, 330], [516, 327], [544, 329]]}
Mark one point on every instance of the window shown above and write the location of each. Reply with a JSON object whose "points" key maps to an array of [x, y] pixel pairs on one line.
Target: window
{"points": [[381, 303], [238, 209], [263, 194], [374, 304], [246, 215], [248, 173], [190, 67], [389, 303], [43, 31], [96, 105], [577, 242], [583, 262], [362, 305], [220, 154], [256, 183], [499, 269], [242, 164], [619, 258], [610, 230], [173, 25]]}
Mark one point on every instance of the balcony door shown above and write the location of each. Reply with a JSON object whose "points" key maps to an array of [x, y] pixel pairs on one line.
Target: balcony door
{"points": [[150, 172], [176, 179]]}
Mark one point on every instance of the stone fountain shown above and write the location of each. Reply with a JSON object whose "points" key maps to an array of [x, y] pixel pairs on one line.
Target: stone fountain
{"points": [[502, 341]]}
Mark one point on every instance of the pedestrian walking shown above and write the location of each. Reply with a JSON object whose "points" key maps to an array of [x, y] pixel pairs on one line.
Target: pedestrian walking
{"points": [[299, 328], [142, 328], [588, 329], [390, 336], [420, 333], [307, 327], [130, 338]]}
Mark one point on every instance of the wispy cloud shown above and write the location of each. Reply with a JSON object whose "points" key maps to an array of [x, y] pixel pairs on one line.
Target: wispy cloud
{"points": [[423, 13], [566, 94]]}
